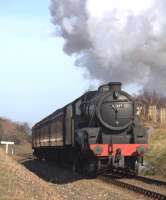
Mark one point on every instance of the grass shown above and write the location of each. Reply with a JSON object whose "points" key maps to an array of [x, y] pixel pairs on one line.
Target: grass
{"points": [[156, 155], [18, 183]]}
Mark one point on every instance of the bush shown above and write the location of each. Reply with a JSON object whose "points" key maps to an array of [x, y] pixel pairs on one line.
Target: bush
{"points": [[156, 155]]}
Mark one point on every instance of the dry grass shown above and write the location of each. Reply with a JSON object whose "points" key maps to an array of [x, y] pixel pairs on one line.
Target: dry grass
{"points": [[156, 154], [17, 183], [25, 148]]}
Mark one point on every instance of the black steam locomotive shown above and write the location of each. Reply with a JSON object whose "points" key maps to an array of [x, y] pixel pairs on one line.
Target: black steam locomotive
{"points": [[99, 130]]}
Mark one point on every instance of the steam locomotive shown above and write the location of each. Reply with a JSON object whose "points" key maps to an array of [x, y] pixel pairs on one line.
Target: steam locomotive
{"points": [[98, 131]]}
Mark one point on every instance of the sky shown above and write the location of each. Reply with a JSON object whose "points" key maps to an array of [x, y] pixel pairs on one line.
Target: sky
{"points": [[36, 76]]}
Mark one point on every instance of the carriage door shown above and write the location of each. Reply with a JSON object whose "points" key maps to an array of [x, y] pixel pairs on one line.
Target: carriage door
{"points": [[68, 125]]}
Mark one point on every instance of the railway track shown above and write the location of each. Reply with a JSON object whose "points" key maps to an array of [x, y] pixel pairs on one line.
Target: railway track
{"points": [[126, 184], [151, 181]]}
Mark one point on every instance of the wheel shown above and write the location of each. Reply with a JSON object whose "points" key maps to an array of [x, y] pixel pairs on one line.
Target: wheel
{"points": [[90, 169]]}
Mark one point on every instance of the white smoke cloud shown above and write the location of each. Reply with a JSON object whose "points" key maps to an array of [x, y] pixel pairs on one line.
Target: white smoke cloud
{"points": [[115, 40]]}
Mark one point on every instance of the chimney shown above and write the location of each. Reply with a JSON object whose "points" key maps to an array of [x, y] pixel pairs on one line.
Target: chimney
{"points": [[115, 86], [112, 86]]}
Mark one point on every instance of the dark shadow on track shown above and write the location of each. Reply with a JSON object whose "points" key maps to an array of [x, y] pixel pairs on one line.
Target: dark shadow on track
{"points": [[50, 172], [151, 181]]}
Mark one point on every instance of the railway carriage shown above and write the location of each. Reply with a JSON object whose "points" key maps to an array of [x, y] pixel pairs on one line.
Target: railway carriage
{"points": [[97, 131]]}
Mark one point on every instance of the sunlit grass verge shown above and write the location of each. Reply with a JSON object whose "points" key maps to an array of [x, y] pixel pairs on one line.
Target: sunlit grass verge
{"points": [[16, 182], [156, 155]]}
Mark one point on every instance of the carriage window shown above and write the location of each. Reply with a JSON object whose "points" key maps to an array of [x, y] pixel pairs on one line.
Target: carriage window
{"points": [[77, 107]]}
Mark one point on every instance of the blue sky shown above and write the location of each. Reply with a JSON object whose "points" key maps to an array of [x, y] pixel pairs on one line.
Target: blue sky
{"points": [[36, 76]]}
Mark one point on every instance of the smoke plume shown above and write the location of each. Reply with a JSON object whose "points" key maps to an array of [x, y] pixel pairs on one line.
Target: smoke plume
{"points": [[115, 40]]}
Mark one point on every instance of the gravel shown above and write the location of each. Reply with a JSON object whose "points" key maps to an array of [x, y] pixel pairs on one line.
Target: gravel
{"points": [[72, 186]]}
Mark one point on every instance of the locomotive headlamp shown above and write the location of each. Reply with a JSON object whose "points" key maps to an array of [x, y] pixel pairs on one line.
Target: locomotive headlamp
{"points": [[115, 95], [140, 149], [98, 150], [117, 123]]}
